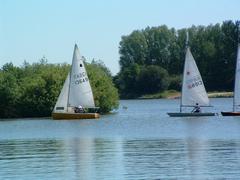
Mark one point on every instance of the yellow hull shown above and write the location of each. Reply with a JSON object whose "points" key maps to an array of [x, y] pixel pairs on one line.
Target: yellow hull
{"points": [[65, 116]]}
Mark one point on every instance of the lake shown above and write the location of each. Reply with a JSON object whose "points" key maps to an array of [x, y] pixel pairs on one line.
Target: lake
{"points": [[138, 141]]}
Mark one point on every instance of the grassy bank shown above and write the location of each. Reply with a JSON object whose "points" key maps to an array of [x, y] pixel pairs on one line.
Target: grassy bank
{"points": [[172, 94], [166, 94], [220, 94]]}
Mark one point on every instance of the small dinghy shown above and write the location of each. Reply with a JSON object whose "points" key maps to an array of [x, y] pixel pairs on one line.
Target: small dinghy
{"points": [[76, 98], [193, 90]]}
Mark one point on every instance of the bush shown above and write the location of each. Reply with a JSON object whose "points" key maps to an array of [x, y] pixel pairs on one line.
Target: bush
{"points": [[105, 94], [32, 90]]}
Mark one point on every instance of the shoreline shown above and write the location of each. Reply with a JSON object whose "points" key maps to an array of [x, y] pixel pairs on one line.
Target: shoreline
{"points": [[210, 95], [177, 95]]}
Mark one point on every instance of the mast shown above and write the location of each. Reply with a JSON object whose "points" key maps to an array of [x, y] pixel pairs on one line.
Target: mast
{"points": [[70, 75], [69, 88], [186, 47], [238, 45]]}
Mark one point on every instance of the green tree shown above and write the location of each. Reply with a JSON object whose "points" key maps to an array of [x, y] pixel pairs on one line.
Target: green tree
{"points": [[105, 94], [10, 93], [159, 40], [214, 48], [175, 82], [133, 49], [126, 81], [152, 79]]}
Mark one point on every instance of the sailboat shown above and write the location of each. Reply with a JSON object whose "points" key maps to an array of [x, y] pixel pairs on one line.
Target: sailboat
{"points": [[236, 98], [76, 92], [193, 90]]}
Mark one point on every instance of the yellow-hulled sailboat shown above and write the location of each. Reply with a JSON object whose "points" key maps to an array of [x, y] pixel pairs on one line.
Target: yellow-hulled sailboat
{"points": [[76, 92]]}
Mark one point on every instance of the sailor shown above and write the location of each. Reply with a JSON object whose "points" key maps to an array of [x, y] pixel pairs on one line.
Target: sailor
{"points": [[196, 108], [79, 109]]}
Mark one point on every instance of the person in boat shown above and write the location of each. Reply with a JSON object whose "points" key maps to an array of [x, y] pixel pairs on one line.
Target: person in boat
{"points": [[196, 109], [79, 109]]}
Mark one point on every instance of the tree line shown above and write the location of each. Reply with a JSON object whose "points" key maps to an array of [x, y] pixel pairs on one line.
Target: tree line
{"points": [[152, 59], [32, 89]]}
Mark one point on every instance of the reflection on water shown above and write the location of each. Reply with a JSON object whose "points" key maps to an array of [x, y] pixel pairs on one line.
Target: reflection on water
{"points": [[119, 159], [140, 142]]}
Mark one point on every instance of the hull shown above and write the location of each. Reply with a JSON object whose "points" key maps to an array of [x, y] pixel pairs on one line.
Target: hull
{"points": [[65, 116], [190, 114], [230, 113]]}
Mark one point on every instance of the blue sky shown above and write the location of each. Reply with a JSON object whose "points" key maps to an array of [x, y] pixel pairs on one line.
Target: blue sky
{"points": [[31, 29]]}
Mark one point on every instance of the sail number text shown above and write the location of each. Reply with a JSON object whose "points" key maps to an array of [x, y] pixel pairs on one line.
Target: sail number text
{"points": [[80, 78], [194, 82]]}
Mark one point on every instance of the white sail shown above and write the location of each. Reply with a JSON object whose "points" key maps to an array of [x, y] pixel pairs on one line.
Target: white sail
{"points": [[61, 105], [80, 91], [193, 90], [236, 101]]}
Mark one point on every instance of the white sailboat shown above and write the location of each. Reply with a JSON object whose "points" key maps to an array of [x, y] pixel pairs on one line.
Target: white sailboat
{"points": [[236, 98], [76, 92], [193, 90]]}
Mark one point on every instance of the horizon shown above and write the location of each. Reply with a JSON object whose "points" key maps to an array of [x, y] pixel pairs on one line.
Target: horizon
{"points": [[30, 31]]}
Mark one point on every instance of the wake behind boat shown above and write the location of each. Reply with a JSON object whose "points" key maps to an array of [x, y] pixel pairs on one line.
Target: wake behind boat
{"points": [[193, 90], [76, 98]]}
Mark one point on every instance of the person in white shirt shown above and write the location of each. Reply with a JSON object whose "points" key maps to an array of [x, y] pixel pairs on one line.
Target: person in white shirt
{"points": [[196, 108]]}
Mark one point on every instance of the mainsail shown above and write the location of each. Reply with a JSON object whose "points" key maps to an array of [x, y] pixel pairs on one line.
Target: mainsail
{"points": [[76, 89], [193, 90], [80, 91], [236, 100]]}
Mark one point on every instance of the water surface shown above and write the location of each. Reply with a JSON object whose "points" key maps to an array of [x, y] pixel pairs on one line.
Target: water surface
{"points": [[140, 142]]}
